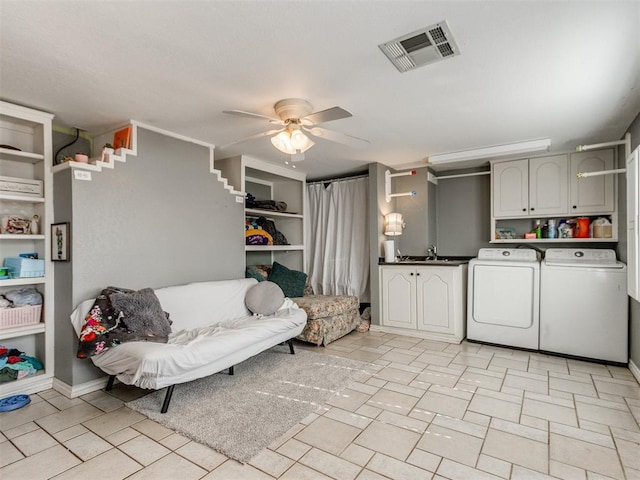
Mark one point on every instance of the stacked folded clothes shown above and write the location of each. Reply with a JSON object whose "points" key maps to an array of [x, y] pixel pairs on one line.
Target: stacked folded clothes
{"points": [[14, 364]]}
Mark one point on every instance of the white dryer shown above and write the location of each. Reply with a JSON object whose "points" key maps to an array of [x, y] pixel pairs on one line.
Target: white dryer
{"points": [[584, 304], [504, 297]]}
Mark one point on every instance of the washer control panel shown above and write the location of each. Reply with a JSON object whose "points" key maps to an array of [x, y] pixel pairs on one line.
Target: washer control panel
{"points": [[580, 256], [508, 254]]}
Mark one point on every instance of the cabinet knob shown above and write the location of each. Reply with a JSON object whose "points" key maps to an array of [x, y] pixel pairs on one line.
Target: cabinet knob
{"points": [[524, 209], [574, 206], [411, 274], [418, 274], [532, 209]]}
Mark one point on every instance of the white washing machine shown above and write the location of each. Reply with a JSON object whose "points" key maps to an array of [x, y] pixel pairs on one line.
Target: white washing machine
{"points": [[584, 304], [504, 296]]}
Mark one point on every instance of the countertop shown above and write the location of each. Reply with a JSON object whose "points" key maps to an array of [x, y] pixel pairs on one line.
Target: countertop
{"points": [[424, 262]]}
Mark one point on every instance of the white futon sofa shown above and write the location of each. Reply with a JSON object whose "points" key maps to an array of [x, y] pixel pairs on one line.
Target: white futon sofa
{"points": [[212, 331]]}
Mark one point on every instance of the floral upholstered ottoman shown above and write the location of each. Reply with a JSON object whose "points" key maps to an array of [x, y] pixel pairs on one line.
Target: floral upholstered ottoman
{"points": [[329, 317]]}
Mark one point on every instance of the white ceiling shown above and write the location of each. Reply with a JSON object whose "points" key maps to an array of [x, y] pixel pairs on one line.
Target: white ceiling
{"points": [[569, 71]]}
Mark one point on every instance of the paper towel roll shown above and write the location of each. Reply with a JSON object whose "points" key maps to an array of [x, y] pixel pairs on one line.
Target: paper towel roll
{"points": [[389, 253]]}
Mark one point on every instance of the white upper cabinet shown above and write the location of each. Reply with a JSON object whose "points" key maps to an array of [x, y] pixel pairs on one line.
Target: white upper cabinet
{"points": [[510, 185], [530, 187], [548, 185], [592, 194]]}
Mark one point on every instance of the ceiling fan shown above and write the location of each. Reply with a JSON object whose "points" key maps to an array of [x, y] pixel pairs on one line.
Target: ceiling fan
{"points": [[296, 119]]}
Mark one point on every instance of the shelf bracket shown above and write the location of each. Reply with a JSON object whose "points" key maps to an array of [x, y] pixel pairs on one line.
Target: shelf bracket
{"points": [[387, 185]]}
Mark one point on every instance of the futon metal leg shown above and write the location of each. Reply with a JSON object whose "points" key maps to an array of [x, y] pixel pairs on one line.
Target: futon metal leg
{"points": [[110, 382], [167, 399], [290, 342], [230, 370]]}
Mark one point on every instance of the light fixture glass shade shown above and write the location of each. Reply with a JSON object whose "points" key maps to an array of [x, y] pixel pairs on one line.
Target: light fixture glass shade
{"points": [[393, 224], [292, 142], [282, 142], [298, 139]]}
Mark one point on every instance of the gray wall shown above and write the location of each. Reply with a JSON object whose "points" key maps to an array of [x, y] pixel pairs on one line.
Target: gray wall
{"points": [[159, 219], [463, 214], [65, 340], [418, 211]]}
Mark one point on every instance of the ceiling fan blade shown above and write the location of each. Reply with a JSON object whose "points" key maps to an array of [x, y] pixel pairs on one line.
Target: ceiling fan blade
{"points": [[338, 137], [242, 113], [257, 135], [328, 115]]}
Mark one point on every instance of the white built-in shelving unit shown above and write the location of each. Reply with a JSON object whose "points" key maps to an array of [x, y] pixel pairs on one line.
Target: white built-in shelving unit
{"points": [[268, 181], [30, 131]]}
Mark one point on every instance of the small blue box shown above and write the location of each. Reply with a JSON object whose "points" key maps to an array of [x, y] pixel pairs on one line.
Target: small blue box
{"points": [[24, 267]]}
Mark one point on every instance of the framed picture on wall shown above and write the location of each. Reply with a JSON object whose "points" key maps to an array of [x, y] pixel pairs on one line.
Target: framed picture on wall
{"points": [[122, 138], [60, 244]]}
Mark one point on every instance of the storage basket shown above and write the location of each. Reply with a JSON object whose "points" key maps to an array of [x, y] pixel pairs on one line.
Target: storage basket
{"points": [[24, 267], [602, 231], [20, 316]]}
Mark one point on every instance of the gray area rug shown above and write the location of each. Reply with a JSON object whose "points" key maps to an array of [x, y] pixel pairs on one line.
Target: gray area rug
{"points": [[242, 414]]}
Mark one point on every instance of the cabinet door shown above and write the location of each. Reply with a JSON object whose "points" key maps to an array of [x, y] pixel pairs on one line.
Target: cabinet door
{"points": [[435, 292], [592, 194], [510, 185], [548, 185], [398, 297]]}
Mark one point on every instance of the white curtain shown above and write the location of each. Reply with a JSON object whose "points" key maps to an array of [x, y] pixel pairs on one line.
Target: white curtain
{"points": [[337, 238]]}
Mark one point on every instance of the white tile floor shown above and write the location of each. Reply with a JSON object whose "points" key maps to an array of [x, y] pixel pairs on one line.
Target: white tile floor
{"points": [[433, 411]]}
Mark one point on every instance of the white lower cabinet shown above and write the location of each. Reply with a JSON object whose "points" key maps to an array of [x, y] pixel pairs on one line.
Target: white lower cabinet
{"points": [[430, 301]]}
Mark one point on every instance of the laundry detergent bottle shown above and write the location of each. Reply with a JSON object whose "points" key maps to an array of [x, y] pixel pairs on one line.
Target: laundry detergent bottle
{"points": [[583, 227]]}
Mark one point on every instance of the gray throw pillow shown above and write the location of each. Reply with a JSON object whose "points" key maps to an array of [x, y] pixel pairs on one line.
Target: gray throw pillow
{"points": [[143, 313], [264, 298]]}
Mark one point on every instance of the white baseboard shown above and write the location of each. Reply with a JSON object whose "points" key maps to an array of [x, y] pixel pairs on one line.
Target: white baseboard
{"points": [[78, 390], [634, 370]]}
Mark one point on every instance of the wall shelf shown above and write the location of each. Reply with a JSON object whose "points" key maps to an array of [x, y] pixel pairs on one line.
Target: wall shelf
{"points": [[20, 156], [250, 212], [22, 331], [272, 248], [18, 236], [556, 240], [20, 198], [13, 282]]}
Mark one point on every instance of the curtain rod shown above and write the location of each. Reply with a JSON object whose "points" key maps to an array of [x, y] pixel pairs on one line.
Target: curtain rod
{"points": [[354, 177]]}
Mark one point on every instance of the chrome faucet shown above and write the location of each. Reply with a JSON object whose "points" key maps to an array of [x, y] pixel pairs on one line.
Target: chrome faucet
{"points": [[432, 252]]}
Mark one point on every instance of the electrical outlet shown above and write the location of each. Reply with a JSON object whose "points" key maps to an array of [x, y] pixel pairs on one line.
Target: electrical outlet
{"points": [[239, 199], [82, 175]]}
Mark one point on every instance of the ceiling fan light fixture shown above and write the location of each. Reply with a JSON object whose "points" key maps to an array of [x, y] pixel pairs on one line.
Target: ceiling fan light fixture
{"points": [[282, 142], [301, 142], [298, 139], [292, 142]]}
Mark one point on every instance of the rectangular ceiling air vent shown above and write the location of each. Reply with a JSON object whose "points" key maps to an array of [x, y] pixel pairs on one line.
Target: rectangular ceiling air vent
{"points": [[422, 47]]}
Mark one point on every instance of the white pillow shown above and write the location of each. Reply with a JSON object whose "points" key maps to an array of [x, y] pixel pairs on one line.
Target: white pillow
{"points": [[265, 298]]}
